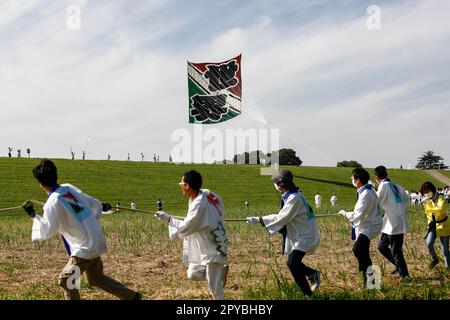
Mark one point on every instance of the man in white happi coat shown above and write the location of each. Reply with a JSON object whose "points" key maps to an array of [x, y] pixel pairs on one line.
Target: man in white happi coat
{"points": [[74, 214], [297, 223], [333, 200], [365, 219], [318, 200], [394, 200], [205, 242]]}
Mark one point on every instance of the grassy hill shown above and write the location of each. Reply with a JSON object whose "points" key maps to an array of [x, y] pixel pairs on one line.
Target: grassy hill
{"points": [[144, 182], [141, 255]]}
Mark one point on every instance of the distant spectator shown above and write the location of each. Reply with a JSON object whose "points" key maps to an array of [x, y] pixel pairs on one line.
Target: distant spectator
{"points": [[318, 200], [9, 152], [415, 198], [160, 205], [447, 194], [333, 200], [19, 153], [133, 205]]}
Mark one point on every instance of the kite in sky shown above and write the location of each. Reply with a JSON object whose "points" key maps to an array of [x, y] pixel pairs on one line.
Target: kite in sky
{"points": [[215, 91]]}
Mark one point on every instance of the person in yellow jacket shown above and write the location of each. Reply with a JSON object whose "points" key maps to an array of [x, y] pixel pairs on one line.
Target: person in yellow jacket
{"points": [[438, 223]]}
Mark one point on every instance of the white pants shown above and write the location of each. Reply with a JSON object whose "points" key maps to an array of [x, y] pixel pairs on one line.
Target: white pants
{"points": [[213, 273]]}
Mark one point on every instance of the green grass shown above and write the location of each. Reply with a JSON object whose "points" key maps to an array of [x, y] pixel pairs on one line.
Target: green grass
{"points": [[144, 182], [140, 253]]}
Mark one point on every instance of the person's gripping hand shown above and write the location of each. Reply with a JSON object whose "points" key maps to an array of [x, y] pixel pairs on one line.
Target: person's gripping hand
{"points": [[29, 209], [163, 216], [342, 213], [252, 220], [106, 207]]}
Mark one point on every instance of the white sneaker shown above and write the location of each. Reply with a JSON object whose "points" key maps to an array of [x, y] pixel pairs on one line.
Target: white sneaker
{"points": [[315, 281]]}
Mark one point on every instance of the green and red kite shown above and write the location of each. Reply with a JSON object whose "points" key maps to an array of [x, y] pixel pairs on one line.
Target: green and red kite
{"points": [[215, 91]]}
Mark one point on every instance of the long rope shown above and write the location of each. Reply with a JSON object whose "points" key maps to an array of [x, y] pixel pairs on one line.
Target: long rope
{"points": [[39, 203], [142, 211], [228, 220], [176, 217], [10, 209], [139, 210]]}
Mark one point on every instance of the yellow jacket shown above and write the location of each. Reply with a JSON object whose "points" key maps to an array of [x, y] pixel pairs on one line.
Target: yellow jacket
{"points": [[438, 207]]}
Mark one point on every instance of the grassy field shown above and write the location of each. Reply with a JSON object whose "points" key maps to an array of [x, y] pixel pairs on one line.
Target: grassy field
{"points": [[141, 255]]}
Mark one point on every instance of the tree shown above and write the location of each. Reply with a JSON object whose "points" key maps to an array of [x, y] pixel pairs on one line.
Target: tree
{"points": [[254, 157], [289, 157], [241, 158], [349, 164], [431, 161], [285, 157]]}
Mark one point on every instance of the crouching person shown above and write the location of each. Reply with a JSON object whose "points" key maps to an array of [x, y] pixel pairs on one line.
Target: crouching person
{"points": [[74, 215], [298, 225], [205, 242]]}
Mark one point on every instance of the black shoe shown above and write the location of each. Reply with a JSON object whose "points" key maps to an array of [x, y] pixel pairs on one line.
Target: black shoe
{"points": [[315, 281]]}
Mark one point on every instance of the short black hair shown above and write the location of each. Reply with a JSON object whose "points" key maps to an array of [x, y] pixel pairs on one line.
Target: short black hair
{"points": [[427, 187], [46, 173], [193, 179], [361, 174], [381, 172]]}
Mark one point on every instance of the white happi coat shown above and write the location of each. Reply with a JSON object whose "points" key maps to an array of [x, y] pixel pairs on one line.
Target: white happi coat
{"points": [[318, 200], [203, 231], [300, 222], [333, 200], [394, 200], [366, 216], [74, 215]]}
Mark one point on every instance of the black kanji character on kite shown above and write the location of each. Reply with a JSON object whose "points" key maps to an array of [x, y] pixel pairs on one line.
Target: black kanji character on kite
{"points": [[222, 76], [209, 107]]}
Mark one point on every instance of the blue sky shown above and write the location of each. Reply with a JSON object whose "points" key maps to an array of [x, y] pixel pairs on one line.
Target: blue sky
{"points": [[334, 88]]}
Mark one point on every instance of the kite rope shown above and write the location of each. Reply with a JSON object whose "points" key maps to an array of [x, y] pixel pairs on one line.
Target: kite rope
{"points": [[39, 203], [10, 209], [138, 210]]}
